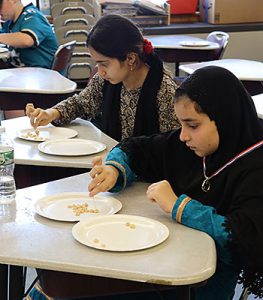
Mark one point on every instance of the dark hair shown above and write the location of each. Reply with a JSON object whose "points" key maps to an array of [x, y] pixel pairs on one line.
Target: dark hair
{"points": [[180, 96], [115, 36]]}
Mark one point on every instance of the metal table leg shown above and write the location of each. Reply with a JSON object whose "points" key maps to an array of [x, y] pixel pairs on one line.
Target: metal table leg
{"points": [[3, 281]]}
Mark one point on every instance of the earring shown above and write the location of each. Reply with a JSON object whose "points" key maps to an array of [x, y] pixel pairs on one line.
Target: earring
{"points": [[131, 67]]}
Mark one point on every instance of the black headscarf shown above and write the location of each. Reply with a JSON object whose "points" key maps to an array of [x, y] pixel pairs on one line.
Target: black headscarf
{"points": [[224, 99], [146, 118], [236, 192]]}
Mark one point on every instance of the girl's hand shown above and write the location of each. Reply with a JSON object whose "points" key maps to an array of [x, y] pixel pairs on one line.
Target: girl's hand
{"points": [[97, 161], [41, 117], [162, 193], [103, 179]]}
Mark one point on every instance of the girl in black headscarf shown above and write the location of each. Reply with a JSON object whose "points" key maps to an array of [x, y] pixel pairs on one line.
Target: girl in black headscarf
{"points": [[208, 175]]}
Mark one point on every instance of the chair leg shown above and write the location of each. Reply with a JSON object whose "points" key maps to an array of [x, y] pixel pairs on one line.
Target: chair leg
{"points": [[244, 295]]}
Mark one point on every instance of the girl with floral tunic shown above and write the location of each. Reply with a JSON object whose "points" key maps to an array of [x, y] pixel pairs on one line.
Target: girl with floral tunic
{"points": [[131, 94]]}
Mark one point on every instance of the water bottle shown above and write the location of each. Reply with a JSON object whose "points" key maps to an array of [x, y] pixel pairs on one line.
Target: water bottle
{"points": [[7, 181]]}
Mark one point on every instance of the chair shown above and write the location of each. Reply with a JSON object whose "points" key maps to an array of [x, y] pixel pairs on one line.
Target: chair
{"points": [[58, 1], [79, 33], [81, 69], [244, 295], [62, 58], [63, 8], [221, 38], [75, 19], [81, 64]]}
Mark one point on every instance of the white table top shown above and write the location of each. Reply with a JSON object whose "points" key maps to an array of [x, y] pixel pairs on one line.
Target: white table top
{"points": [[27, 153], [243, 69], [35, 80], [173, 42], [187, 256], [258, 100]]}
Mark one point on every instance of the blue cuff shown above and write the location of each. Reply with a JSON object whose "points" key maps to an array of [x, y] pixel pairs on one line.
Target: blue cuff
{"points": [[120, 160], [177, 204]]}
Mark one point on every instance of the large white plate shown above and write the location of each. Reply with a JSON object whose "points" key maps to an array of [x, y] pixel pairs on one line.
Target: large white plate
{"points": [[194, 43], [60, 206], [46, 133], [120, 232], [68, 147]]}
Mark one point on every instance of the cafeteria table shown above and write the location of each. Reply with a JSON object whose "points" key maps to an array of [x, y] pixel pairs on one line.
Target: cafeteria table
{"points": [[250, 72], [258, 101], [33, 167], [172, 48], [187, 257], [43, 87]]}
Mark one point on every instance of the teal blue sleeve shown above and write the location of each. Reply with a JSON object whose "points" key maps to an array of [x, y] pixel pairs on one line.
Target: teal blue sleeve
{"points": [[120, 160], [205, 218]]}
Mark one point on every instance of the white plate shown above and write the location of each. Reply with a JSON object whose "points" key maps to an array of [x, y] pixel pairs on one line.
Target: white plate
{"points": [[68, 147], [120, 232], [60, 206], [46, 133], [194, 43]]}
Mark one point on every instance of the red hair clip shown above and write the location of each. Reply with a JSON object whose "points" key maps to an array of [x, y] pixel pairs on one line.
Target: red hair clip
{"points": [[147, 47]]}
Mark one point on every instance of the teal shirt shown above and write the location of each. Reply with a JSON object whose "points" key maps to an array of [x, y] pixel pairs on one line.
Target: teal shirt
{"points": [[31, 21], [221, 286]]}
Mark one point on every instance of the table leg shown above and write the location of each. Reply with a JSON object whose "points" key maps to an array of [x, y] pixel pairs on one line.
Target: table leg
{"points": [[177, 64], [183, 292], [3, 281], [16, 283]]}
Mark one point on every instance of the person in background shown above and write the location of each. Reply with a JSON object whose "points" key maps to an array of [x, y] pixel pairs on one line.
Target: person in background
{"points": [[131, 94], [206, 175], [28, 35]]}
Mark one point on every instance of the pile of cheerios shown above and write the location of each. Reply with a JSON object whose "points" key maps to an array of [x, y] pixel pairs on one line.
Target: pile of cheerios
{"points": [[79, 209]]}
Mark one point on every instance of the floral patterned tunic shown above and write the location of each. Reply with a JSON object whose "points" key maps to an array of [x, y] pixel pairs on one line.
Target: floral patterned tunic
{"points": [[87, 105]]}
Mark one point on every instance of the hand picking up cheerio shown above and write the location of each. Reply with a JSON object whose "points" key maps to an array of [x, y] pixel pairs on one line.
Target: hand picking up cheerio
{"points": [[41, 117]]}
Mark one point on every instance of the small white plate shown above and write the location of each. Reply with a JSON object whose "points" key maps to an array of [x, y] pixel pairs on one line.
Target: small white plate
{"points": [[68, 147], [120, 232], [72, 207], [46, 133], [194, 43]]}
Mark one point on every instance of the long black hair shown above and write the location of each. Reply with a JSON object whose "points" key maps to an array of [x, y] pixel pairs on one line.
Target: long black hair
{"points": [[115, 36]]}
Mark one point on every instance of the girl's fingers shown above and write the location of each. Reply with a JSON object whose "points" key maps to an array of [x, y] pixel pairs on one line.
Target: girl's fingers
{"points": [[97, 161], [95, 171], [102, 186]]}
